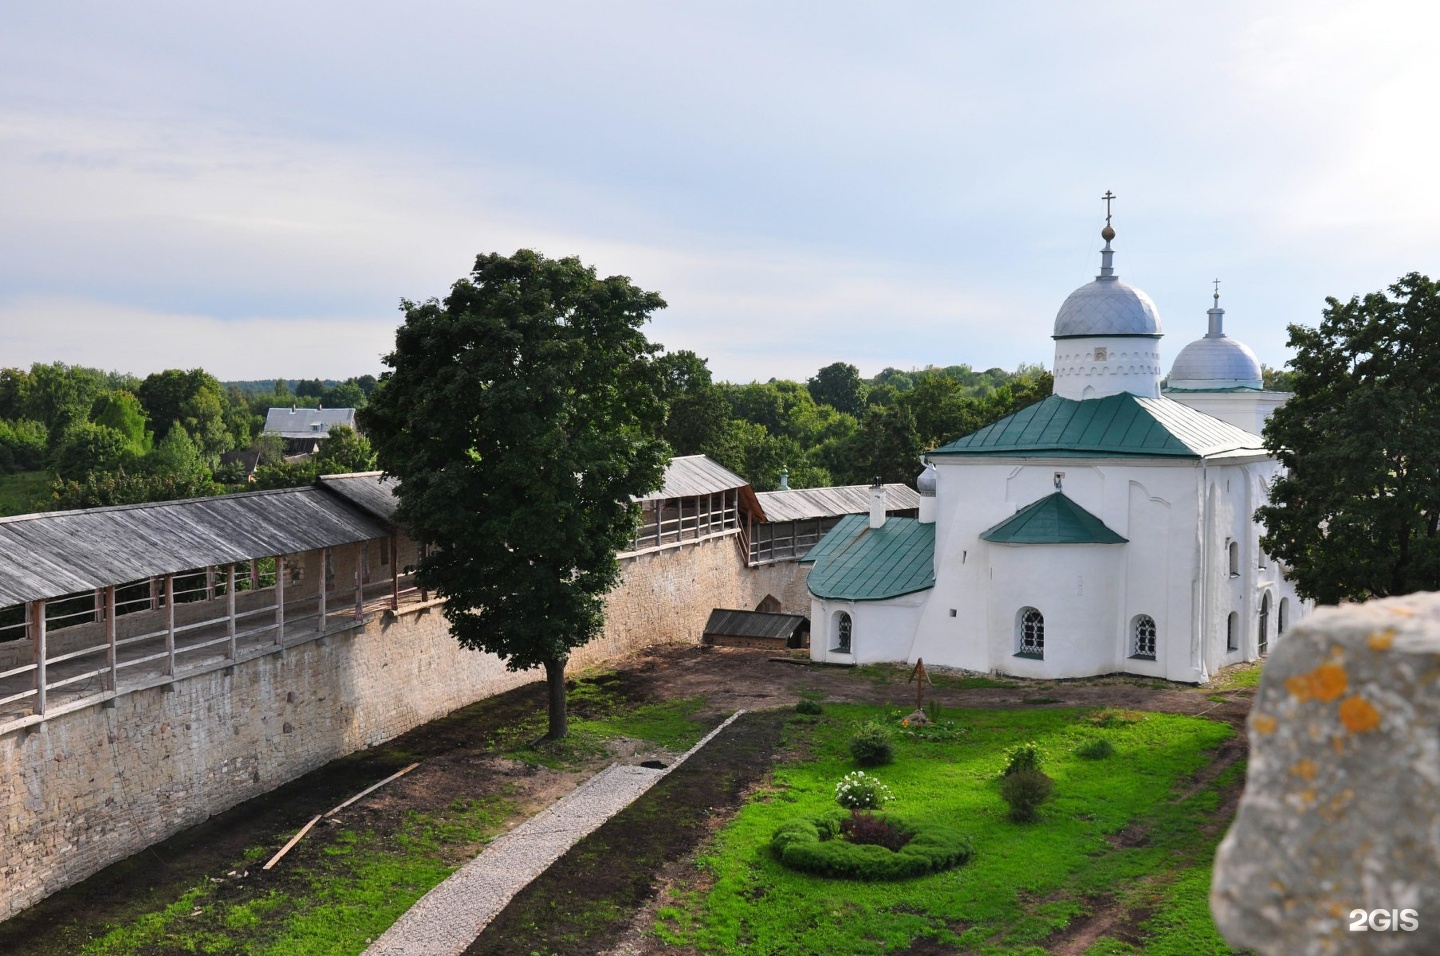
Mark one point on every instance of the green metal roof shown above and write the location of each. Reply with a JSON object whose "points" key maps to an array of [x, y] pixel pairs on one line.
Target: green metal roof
{"points": [[1054, 519], [1117, 425], [855, 562]]}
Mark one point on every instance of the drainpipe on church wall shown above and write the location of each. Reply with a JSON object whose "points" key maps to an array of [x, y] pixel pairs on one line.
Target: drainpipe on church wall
{"points": [[877, 505]]}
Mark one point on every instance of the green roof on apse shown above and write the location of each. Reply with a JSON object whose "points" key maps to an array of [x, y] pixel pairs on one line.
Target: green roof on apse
{"points": [[1054, 519], [1117, 425], [855, 562]]}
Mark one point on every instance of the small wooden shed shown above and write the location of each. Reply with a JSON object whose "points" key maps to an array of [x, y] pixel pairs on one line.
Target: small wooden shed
{"points": [[732, 628]]}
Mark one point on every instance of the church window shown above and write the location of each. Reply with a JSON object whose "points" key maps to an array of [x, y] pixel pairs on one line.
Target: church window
{"points": [[1282, 616], [1031, 636], [1142, 635], [1234, 559], [1232, 632], [843, 633], [1264, 644]]}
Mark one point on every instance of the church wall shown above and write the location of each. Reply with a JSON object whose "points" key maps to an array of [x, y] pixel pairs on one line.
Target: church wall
{"points": [[1076, 587], [880, 630]]}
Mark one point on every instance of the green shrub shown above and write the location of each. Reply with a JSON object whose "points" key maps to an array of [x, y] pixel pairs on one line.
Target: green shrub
{"points": [[860, 791], [871, 746], [1025, 790], [797, 844], [809, 707], [1026, 756], [1097, 749]]}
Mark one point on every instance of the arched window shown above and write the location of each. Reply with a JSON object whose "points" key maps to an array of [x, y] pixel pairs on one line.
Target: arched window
{"points": [[1030, 636], [1142, 637], [1232, 632], [1264, 644], [1282, 617], [843, 630], [1234, 559]]}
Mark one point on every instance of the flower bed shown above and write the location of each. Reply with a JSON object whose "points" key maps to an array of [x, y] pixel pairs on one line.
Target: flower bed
{"points": [[816, 847]]}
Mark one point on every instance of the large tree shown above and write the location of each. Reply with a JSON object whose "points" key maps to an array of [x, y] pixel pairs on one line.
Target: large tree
{"points": [[521, 415], [1356, 512]]}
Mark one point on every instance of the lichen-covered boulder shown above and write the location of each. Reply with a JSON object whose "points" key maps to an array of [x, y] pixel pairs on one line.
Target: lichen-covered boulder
{"points": [[1336, 845]]}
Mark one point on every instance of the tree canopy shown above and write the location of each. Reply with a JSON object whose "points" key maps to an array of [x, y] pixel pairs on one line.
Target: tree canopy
{"points": [[521, 415], [1356, 512]]}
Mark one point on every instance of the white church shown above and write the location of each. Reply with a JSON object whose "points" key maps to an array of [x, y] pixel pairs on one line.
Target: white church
{"points": [[1107, 528]]}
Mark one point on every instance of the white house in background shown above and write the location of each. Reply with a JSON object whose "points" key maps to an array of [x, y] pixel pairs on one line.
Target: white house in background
{"points": [[1104, 529], [304, 428]]}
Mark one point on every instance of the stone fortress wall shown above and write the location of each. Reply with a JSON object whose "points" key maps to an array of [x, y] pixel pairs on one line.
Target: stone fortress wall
{"points": [[85, 788]]}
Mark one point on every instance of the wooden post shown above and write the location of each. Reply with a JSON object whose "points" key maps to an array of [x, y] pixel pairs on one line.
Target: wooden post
{"points": [[230, 607], [169, 625], [659, 521], [110, 633], [210, 583], [279, 598], [324, 569], [394, 573], [99, 605], [359, 583], [254, 574], [154, 593], [37, 635]]}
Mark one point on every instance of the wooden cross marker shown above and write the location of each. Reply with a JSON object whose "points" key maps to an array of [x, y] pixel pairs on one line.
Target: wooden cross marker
{"points": [[920, 679]]}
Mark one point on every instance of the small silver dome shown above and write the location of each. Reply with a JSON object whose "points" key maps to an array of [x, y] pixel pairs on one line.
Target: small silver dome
{"points": [[1216, 361], [1107, 306], [1220, 362], [925, 484]]}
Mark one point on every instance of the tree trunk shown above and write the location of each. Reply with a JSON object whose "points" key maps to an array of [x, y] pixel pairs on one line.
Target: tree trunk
{"points": [[555, 687]]}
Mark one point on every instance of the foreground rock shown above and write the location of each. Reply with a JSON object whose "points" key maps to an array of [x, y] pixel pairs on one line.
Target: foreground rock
{"points": [[1341, 813]]}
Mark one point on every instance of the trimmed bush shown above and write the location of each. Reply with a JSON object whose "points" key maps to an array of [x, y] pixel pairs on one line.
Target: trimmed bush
{"points": [[810, 707], [1027, 756], [1097, 749], [1025, 790], [798, 845], [871, 746]]}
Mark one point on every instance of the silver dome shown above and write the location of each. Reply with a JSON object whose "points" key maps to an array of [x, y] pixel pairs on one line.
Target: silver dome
{"points": [[1107, 306], [1216, 362], [925, 484]]}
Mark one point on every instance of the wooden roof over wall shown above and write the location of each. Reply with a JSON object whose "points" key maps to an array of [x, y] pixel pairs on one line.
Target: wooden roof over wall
{"points": [[63, 552], [797, 504]]}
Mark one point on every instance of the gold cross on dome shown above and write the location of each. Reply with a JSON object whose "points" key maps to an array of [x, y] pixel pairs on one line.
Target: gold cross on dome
{"points": [[1108, 197]]}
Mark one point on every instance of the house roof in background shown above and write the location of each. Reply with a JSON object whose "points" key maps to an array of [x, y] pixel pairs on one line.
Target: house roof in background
{"points": [[306, 422]]}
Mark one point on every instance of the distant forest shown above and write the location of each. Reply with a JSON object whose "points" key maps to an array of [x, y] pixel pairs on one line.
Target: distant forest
{"points": [[74, 437]]}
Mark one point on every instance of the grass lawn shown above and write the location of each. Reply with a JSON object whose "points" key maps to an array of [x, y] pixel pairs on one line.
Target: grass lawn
{"points": [[1116, 837], [24, 492]]}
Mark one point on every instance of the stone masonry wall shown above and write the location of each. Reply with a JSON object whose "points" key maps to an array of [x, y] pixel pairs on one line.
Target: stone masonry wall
{"points": [[83, 789], [1336, 844]]}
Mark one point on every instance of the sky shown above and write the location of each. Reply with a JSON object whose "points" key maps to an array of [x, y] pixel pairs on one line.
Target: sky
{"points": [[254, 188]]}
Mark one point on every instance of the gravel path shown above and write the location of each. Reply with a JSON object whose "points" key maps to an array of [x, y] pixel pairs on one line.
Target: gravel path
{"points": [[445, 921]]}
